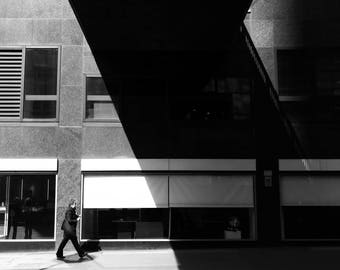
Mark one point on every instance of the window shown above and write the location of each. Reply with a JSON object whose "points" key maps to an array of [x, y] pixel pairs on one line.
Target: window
{"points": [[125, 223], [130, 207], [41, 81], [225, 223], [29, 83], [99, 105], [309, 79], [27, 206], [168, 207], [212, 207], [209, 116], [220, 99], [295, 72], [310, 206]]}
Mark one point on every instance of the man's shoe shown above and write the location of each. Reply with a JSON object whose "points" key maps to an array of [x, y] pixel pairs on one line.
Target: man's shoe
{"points": [[83, 255], [60, 257]]}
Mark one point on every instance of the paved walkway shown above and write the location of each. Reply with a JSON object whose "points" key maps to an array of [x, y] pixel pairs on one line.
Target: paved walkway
{"points": [[324, 258]]}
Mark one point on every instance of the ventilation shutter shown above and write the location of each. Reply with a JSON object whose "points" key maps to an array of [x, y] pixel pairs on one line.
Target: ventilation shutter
{"points": [[11, 61]]}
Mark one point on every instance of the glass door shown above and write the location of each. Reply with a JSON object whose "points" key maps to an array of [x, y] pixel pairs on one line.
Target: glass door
{"points": [[4, 203]]}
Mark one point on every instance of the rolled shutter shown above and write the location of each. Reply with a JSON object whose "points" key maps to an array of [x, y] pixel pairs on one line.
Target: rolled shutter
{"points": [[108, 191], [211, 191], [310, 190]]}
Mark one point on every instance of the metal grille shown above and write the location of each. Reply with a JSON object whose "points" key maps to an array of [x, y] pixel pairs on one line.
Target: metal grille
{"points": [[11, 68]]}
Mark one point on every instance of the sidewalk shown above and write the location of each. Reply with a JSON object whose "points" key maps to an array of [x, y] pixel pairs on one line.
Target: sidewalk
{"points": [[131, 259], [234, 259]]}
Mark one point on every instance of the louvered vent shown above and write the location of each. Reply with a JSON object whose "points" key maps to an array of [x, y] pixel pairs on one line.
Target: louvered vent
{"points": [[10, 83]]}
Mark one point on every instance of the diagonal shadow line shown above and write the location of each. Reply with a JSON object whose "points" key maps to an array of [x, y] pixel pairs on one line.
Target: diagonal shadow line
{"points": [[50, 266]]}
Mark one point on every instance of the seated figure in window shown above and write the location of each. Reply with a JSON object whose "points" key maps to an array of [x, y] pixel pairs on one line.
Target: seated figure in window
{"points": [[233, 230]]}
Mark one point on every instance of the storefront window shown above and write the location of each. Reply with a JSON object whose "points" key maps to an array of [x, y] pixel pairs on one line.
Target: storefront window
{"points": [[212, 223], [130, 207], [311, 222], [142, 223], [27, 206], [212, 207], [310, 205], [168, 207]]}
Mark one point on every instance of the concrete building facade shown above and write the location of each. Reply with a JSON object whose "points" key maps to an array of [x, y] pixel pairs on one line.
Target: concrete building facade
{"points": [[75, 145], [67, 138]]}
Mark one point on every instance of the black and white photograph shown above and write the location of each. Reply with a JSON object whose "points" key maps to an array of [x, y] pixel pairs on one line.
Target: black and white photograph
{"points": [[175, 135]]}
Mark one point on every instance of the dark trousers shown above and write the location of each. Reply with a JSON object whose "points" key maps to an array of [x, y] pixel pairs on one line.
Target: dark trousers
{"points": [[74, 241], [12, 223], [28, 226]]}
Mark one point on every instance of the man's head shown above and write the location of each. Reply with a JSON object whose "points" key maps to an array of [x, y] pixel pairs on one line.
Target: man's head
{"points": [[72, 203]]}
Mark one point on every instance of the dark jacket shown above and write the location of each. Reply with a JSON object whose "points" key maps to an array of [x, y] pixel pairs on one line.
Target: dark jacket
{"points": [[69, 225]]}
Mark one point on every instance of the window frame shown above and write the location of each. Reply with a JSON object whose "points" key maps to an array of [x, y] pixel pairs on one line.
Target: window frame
{"points": [[293, 172], [291, 97], [56, 97], [42, 97], [315, 94], [11, 173], [97, 98], [172, 173]]}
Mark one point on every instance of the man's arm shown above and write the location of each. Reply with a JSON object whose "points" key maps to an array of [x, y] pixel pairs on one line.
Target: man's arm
{"points": [[69, 218]]}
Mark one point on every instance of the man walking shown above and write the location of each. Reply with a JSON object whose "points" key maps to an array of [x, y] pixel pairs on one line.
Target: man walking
{"points": [[69, 227]]}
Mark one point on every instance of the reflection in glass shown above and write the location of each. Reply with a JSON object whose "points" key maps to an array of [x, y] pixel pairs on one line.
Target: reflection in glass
{"points": [[212, 223], [310, 206], [99, 104], [311, 222], [100, 110], [220, 99], [40, 109], [142, 223], [3, 206], [208, 119], [96, 86], [41, 71], [30, 206]]}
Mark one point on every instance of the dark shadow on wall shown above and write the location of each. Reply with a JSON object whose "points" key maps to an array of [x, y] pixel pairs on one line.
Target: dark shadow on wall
{"points": [[182, 112], [186, 97], [307, 50], [175, 75], [194, 104]]}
